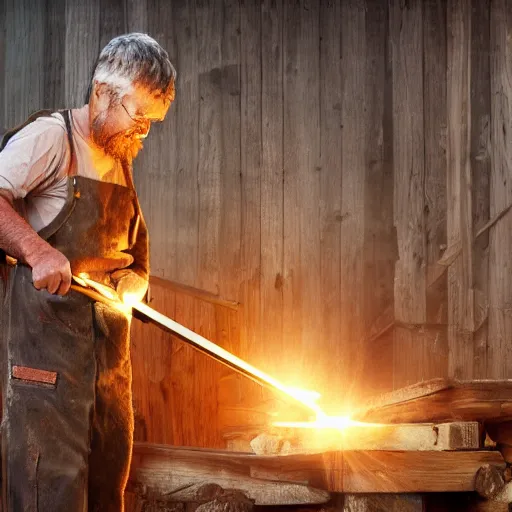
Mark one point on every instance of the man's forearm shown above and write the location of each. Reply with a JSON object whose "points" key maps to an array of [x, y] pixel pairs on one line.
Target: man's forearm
{"points": [[17, 238]]}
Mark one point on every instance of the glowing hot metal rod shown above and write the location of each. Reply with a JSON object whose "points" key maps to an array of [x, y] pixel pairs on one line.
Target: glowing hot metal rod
{"points": [[103, 293]]}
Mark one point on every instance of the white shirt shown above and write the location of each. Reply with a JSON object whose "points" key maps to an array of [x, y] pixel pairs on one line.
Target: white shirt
{"points": [[35, 163]]}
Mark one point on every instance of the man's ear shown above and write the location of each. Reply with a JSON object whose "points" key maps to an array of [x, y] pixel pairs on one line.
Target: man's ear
{"points": [[98, 89], [101, 95]]}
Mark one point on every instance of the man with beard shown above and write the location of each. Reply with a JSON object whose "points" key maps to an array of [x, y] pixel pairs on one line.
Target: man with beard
{"points": [[68, 207]]}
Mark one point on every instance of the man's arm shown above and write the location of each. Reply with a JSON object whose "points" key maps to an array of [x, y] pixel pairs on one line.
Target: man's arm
{"points": [[50, 268]]}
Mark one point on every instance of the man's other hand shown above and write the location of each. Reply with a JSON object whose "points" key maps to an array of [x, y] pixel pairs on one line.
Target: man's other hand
{"points": [[51, 271], [128, 283]]}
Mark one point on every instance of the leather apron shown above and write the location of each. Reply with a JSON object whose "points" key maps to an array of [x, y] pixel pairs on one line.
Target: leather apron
{"points": [[67, 425]]}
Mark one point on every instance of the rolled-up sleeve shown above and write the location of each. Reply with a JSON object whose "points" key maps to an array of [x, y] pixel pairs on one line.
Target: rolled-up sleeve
{"points": [[32, 158]]}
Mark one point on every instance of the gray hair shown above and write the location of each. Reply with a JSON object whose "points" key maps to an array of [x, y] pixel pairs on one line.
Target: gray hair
{"points": [[134, 59]]}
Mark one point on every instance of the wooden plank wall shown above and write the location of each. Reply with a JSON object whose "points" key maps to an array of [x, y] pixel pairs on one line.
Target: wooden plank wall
{"points": [[328, 190]]}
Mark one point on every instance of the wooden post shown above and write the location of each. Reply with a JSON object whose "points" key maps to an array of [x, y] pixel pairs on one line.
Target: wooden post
{"points": [[406, 39], [460, 226]]}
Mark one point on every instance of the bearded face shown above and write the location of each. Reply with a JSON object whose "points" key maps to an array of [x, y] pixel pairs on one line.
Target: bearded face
{"points": [[120, 144], [120, 123]]}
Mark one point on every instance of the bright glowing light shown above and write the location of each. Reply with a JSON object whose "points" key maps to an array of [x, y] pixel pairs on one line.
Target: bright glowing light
{"points": [[334, 422], [130, 299], [306, 397]]}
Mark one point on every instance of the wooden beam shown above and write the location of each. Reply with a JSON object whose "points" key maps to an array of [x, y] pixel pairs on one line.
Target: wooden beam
{"points": [[180, 472], [305, 479], [440, 400], [428, 436], [399, 472]]}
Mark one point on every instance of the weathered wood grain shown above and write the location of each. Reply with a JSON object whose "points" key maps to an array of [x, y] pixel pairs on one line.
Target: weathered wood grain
{"points": [[231, 183], [299, 163], [82, 49], [406, 40], [250, 173], [54, 54], [414, 471], [436, 118], [24, 59], [136, 12], [163, 469], [441, 400], [306, 113], [480, 175], [209, 181], [379, 251], [435, 347], [112, 20], [459, 226], [173, 471], [272, 183], [419, 352], [331, 96], [499, 355], [353, 168], [186, 111]]}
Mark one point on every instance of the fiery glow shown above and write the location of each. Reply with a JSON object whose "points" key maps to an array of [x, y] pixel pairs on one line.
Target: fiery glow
{"points": [[130, 299], [305, 397], [323, 420]]}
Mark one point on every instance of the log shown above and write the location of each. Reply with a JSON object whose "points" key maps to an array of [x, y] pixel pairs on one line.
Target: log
{"points": [[303, 479], [489, 481], [180, 473], [446, 436]]}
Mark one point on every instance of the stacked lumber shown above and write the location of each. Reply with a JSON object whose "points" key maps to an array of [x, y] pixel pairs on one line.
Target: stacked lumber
{"points": [[431, 441]]}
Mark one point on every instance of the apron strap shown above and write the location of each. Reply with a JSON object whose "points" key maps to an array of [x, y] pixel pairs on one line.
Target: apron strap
{"points": [[73, 192]]}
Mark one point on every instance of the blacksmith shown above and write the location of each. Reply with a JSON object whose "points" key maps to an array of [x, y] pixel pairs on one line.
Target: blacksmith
{"points": [[68, 206]]}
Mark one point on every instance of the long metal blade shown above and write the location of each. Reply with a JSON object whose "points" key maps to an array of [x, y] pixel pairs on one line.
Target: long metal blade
{"points": [[105, 294]]}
